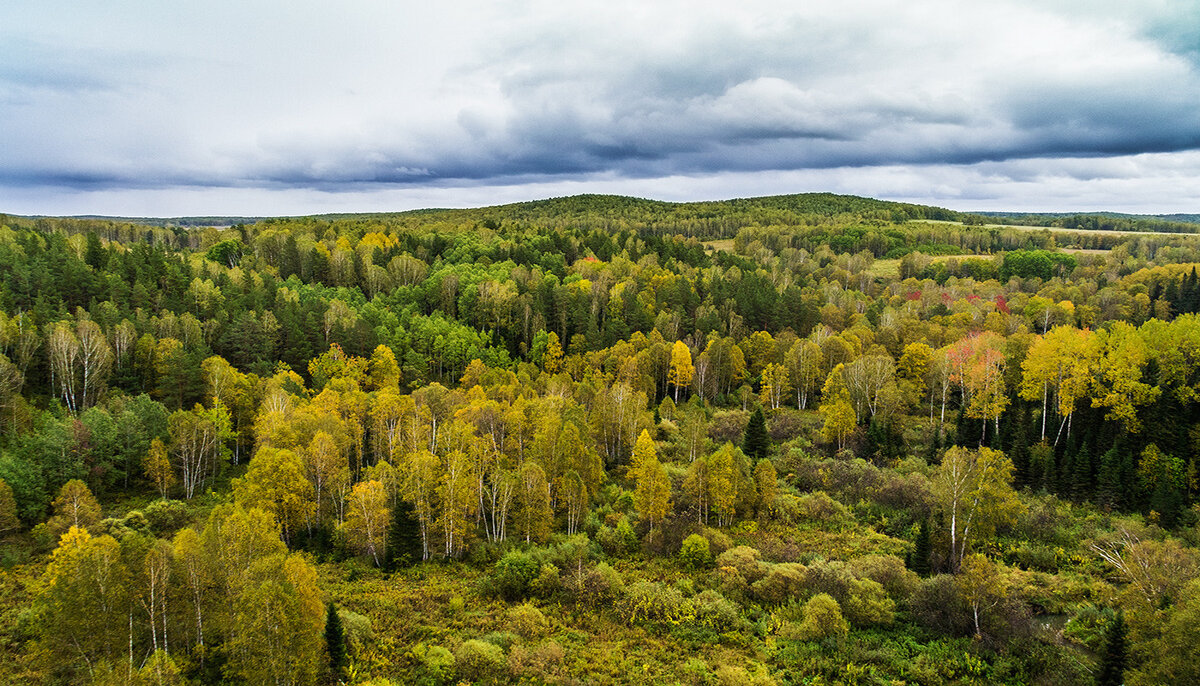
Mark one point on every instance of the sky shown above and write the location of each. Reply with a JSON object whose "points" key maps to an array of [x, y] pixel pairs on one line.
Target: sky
{"points": [[263, 107]]}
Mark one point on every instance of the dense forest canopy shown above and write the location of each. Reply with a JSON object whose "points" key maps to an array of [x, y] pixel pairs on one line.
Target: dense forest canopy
{"points": [[799, 439]]}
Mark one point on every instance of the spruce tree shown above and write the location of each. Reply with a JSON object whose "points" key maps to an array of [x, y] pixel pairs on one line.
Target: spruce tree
{"points": [[335, 642], [1110, 485], [922, 551], [756, 440], [1019, 450], [1112, 660], [403, 538]]}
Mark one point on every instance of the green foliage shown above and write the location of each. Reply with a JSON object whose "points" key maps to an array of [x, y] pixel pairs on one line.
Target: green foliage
{"points": [[403, 538], [492, 373], [756, 441], [335, 643], [513, 574], [695, 554], [822, 620], [1115, 653], [652, 602], [480, 661]]}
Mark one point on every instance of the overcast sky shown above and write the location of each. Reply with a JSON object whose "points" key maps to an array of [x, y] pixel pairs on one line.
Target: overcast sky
{"points": [[256, 107]]}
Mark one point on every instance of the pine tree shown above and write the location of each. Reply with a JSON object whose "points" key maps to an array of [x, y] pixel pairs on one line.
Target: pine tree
{"points": [[1019, 449], [1110, 486], [1112, 660], [923, 548], [404, 547], [335, 642], [1081, 473], [756, 441]]}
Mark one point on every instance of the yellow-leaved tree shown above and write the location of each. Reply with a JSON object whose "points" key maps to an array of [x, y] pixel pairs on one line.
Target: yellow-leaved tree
{"points": [[276, 483], [652, 494], [973, 489], [836, 408], [682, 369], [367, 517]]}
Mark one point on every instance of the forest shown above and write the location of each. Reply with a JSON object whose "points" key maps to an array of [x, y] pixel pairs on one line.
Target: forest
{"points": [[809, 439]]}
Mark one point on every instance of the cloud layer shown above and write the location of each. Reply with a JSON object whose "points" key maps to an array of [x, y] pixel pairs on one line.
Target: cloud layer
{"points": [[297, 107]]}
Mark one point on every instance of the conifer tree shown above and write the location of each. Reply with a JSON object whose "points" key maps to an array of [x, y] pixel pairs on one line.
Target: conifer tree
{"points": [[756, 440], [923, 548], [1112, 660], [403, 538], [335, 642]]}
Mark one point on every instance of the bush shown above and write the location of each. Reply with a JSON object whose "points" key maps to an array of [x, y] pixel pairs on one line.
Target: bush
{"points": [[716, 612], [166, 516], [119, 527], [889, 571], [937, 605], [694, 553], [818, 506], [650, 601], [745, 561], [538, 665], [718, 541], [548, 583], [504, 640], [513, 574], [822, 619], [480, 661], [434, 664], [528, 621], [357, 629], [867, 603], [784, 582], [602, 584]]}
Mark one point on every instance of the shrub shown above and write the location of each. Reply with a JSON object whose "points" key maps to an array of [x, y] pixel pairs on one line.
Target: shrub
{"points": [[718, 541], [822, 619], [528, 621], [601, 584], [784, 582], [818, 506], [513, 574], [166, 516], [505, 640], [694, 553], [480, 661], [357, 629], [540, 664], [626, 536], [745, 561], [867, 603], [716, 612], [650, 601], [434, 664], [119, 527], [889, 571], [548, 583], [938, 605], [753, 674]]}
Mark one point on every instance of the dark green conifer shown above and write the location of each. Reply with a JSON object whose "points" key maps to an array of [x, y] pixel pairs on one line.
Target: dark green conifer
{"points": [[403, 539], [756, 440], [1112, 659], [335, 642], [1109, 485], [922, 549]]}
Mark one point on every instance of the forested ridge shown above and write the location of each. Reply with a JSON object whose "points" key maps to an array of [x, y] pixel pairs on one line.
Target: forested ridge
{"points": [[801, 439]]}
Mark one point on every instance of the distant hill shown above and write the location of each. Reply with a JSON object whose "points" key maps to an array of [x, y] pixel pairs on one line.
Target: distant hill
{"points": [[186, 222], [781, 209], [1108, 221]]}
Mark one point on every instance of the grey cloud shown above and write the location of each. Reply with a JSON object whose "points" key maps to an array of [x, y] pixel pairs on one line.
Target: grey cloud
{"points": [[665, 92]]}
